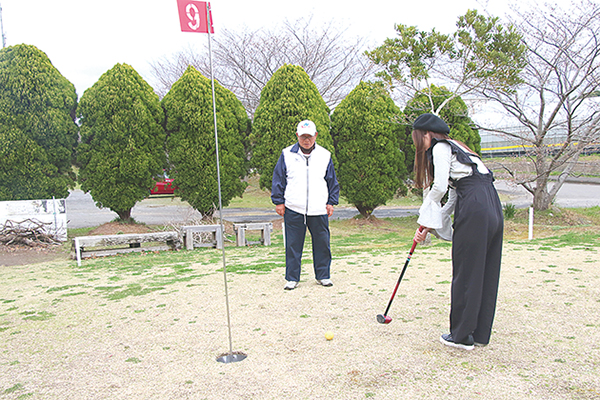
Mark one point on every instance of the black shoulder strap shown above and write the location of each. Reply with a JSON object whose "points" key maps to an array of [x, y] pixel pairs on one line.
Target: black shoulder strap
{"points": [[461, 154]]}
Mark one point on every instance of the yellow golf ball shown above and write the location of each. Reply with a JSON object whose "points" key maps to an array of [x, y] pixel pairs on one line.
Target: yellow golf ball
{"points": [[328, 335]]}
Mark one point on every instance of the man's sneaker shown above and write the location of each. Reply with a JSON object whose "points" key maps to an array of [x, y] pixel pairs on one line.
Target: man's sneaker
{"points": [[290, 285], [477, 344], [325, 282], [447, 339]]}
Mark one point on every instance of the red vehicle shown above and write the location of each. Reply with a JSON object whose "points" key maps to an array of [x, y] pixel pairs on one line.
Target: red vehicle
{"points": [[163, 186]]}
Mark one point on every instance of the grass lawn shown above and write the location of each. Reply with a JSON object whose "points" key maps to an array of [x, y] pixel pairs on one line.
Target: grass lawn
{"points": [[151, 325]]}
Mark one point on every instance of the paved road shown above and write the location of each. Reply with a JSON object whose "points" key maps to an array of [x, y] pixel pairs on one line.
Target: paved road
{"points": [[82, 212], [571, 194]]}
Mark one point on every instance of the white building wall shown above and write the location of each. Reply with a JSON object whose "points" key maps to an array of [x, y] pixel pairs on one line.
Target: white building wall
{"points": [[52, 212]]}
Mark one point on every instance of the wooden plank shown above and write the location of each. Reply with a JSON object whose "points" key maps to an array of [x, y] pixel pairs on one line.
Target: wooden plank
{"points": [[113, 252], [201, 228], [96, 246], [113, 240], [259, 225]]}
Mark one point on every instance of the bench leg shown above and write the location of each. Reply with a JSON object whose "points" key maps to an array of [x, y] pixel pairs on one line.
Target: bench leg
{"points": [[219, 237], [78, 252], [189, 240], [241, 237]]}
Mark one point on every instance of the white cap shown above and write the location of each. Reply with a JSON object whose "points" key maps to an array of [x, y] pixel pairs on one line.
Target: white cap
{"points": [[306, 127]]}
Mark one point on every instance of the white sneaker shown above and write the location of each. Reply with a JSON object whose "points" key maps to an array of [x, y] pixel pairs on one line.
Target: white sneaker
{"points": [[448, 340], [325, 282], [290, 285]]}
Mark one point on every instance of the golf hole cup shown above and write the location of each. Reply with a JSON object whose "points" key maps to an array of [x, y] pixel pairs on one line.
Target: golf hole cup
{"points": [[328, 335]]}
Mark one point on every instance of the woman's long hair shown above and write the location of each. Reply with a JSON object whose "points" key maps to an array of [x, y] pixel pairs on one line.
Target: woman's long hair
{"points": [[423, 168]]}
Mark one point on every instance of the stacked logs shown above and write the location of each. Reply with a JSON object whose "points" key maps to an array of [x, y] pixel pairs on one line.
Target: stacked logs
{"points": [[28, 232]]}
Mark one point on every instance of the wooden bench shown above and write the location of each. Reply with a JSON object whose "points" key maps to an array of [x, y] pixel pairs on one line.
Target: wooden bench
{"points": [[190, 243], [265, 235], [108, 245]]}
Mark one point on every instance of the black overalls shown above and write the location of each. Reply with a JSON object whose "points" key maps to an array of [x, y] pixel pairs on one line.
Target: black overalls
{"points": [[476, 253]]}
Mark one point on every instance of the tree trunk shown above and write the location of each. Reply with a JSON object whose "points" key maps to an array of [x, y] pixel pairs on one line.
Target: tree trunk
{"points": [[541, 197], [541, 200], [364, 211], [125, 216]]}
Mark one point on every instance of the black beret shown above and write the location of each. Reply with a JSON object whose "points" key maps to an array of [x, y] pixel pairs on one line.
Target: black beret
{"points": [[430, 123]]}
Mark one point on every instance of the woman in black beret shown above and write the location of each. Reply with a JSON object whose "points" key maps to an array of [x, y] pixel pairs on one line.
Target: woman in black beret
{"points": [[476, 233]]}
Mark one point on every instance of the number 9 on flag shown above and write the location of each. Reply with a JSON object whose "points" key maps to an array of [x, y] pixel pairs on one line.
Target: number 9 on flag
{"points": [[194, 16]]}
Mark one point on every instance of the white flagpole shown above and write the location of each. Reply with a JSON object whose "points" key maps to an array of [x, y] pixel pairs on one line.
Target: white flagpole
{"points": [[2, 29], [231, 357]]}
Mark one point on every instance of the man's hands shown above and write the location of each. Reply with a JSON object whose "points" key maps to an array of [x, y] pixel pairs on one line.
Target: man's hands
{"points": [[329, 210], [280, 209]]}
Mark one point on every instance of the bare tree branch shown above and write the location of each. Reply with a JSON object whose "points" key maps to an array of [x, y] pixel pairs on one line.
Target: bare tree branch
{"points": [[555, 103], [244, 61]]}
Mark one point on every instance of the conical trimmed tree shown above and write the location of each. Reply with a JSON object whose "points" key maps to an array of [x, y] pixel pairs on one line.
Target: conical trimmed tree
{"points": [[25, 173], [122, 140], [288, 98], [191, 142], [366, 129], [40, 103]]}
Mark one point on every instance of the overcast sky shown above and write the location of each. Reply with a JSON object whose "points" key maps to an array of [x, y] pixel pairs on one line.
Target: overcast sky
{"points": [[85, 38]]}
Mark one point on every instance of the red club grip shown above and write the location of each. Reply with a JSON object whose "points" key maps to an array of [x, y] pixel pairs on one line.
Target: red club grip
{"points": [[414, 245]]}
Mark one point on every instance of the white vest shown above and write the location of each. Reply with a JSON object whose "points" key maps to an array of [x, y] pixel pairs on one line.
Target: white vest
{"points": [[306, 191]]}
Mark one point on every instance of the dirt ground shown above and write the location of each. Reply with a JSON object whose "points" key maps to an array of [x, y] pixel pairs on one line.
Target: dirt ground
{"points": [[23, 255], [118, 328]]}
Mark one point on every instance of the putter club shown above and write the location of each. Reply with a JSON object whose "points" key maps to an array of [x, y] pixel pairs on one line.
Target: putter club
{"points": [[383, 318]]}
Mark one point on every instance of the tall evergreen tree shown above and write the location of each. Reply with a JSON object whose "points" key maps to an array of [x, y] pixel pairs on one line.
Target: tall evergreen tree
{"points": [[37, 101], [25, 173], [288, 98], [122, 140], [366, 130], [191, 141]]}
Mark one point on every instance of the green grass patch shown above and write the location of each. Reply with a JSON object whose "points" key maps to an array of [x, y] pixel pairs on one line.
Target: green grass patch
{"points": [[73, 294], [14, 388], [132, 290], [251, 268], [142, 274], [37, 316], [61, 288], [570, 239]]}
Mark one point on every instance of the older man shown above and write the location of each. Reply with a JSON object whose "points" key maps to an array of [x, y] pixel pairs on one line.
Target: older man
{"points": [[304, 191]]}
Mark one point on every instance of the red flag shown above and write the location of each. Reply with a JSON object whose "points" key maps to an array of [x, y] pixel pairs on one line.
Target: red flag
{"points": [[193, 16]]}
